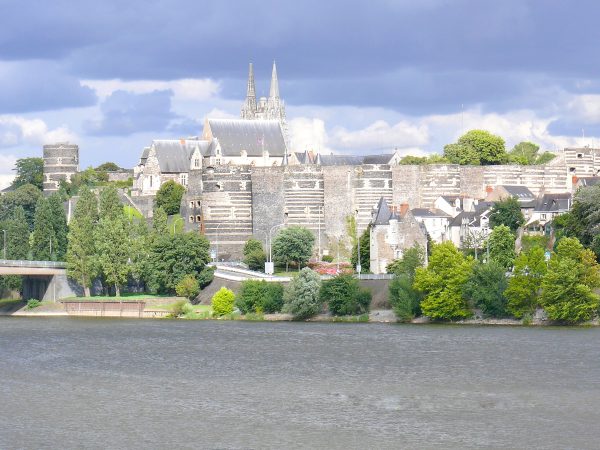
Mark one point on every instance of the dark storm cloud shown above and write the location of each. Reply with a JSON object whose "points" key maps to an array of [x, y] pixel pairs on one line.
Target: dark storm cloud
{"points": [[125, 113], [39, 86], [426, 56]]}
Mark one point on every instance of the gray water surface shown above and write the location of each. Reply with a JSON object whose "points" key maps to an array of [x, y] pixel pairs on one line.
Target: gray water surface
{"points": [[89, 383]]}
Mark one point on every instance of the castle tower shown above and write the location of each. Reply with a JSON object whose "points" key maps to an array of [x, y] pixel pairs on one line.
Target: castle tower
{"points": [[249, 106], [61, 161]]}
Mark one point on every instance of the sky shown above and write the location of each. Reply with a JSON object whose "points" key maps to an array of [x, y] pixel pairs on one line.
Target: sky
{"points": [[357, 77]]}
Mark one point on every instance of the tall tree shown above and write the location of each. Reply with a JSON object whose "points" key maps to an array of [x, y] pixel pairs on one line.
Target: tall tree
{"points": [[524, 153], [301, 295], [110, 205], [567, 287], [29, 171], [59, 225], [485, 289], [507, 212], [293, 244], [160, 221], [502, 246], [441, 282], [411, 260], [25, 196], [365, 251], [524, 285], [461, 154], [113, 250], [489, 147], [81, 250], [17, 235], [169, 197], [43, 240]]}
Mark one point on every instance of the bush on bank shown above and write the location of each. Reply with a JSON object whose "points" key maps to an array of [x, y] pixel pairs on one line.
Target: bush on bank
{"points": [[222, 302], [259, 297], [301, 297], [344, 296]]}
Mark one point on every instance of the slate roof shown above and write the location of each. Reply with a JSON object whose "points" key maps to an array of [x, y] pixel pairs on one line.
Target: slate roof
{"points": [[339, 160], [383, 214], [174, 154], [519, 191], [253, 136], [554, 202], [424, 212], [589, 181], [377, 159]]}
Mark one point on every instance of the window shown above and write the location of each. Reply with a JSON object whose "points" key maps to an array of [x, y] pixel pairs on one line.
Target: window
{"points": [[580, 155], [191, 219], [191, 204], [197, 162], [183, 179], [543, 216], [198, 204], [198, 219], [150, 180]]}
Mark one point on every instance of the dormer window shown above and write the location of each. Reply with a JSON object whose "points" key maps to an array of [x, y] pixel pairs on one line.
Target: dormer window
{"points": [[197, 162]]}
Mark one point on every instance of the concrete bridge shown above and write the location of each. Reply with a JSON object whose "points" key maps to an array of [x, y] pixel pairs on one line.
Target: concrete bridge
{"points": [[42, 280]]}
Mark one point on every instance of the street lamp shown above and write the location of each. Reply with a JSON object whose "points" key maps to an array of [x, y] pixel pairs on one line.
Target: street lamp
{"points": [[175, 221], [269, 269], [217, 249], [320, 212], [358, 267]]}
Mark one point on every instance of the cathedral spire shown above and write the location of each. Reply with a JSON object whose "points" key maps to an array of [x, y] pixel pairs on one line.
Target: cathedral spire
{"points": [[251, 90], [249, 106], [274, 91]]}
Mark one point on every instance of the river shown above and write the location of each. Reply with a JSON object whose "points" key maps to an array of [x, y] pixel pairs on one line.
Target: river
{"points": [[104, 383]]}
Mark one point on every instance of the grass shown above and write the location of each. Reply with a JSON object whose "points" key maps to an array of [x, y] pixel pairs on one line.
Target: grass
{"points": [[10, 302], [352, 319]]}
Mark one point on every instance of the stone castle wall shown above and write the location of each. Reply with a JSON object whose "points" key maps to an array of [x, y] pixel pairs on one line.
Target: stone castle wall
{"points": [[61, 161]]}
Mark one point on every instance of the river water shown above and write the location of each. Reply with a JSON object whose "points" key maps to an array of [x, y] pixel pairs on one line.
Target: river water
{"points": [[90, 383]]}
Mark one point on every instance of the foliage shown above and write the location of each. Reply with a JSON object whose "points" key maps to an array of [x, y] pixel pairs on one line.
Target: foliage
{"points": [[529, 242], [255, 260], [507, 212], [365, 251], [441, 282], [301, 296], [567, 287], [89, 178], [81, 248], [525, 283], [33, 303], [412, 259], [17, 235], [327, 258], [421, 160], [293, 244], [489, 147], [405, 300], [113, 249], [58, 224], [188, 287], [252, 245], [461, 154], [108, 167], [26, 196], [139, 244], [43, 239], [259, 296], [109, 204], [222, 302], [545, 158], [206, 276], [169, 197], [344, 296], [29, 171], [174, 256], [502, 246], [583, 221], [526, 153], [178, 308], [485, 288], [160, 221]]}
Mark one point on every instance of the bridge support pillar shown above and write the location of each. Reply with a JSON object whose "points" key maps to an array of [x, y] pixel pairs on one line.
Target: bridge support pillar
{"points": [[49, 287]]}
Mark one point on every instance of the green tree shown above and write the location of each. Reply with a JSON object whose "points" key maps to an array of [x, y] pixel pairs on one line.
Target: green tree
{"points": [[461, 154], [507, 212], [259, 296], [174, 256], [43, 239], [567, 288], [545, 158], [583, 221], [301, 296], [404, 298], [489, 147], [113, 250], [222, 302], [206, 276], [17, 235], [59, 226], [524, 285], [442, 281], [108, 167], [293, 244], [25, 196], [502, 246], [485, 289], [139, 248], [29, 171], [252, 245], [109, 205], [365, 251], [524, 153], [160, 222], [169, 197], [254, 255], [81, 248], [344, 296], [412, 259], [188, 287]]}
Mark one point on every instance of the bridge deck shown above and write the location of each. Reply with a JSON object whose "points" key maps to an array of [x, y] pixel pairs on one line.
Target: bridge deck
{"points": [[21, 267]]}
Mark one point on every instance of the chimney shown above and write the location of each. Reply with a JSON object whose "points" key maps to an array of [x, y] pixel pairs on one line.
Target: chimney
{"points": [[403, 208], [489, 189], [574, 179]]}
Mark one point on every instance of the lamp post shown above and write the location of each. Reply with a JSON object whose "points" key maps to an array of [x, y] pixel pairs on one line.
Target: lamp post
{"points": [[175, 221], [217, 249], [320, 212], [358, 267], [4, 243]]}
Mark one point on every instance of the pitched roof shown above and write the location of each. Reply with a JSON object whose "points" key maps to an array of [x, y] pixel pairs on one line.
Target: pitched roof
{"points": [[382, 213], [425, 212], [589, 181], [554, 202], [377, 159], [340, 160], [519, 191], [174, 154], [253, 136]]}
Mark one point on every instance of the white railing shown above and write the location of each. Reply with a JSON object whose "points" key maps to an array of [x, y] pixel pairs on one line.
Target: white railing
{"points": [[33, 264]]}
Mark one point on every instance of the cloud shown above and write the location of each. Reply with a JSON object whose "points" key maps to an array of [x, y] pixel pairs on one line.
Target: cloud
{"points": [[380, 135], [40, 86], [7, 163], [16, 131], [125, 113], [187, 89]]}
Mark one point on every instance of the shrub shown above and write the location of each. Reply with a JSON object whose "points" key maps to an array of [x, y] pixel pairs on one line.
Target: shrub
{"points": [[485, 289], [178, 308], [260, 296], [188, 287], [327, 258], [222, 302], [33, 303], [405, 300], [206, 276], [252, 245], [301, 297], [255, 260], [345, 296]]}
